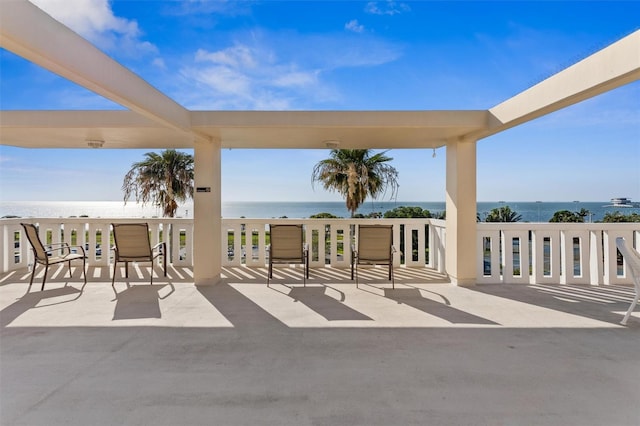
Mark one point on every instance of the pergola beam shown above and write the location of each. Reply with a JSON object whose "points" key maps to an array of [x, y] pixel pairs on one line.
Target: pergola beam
{"points": [[612, 67], [32, 34]]}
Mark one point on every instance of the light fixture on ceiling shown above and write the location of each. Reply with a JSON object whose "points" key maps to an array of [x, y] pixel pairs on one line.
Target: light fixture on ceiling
{"points": [[434, 153], [95, 143], [332, 144]]}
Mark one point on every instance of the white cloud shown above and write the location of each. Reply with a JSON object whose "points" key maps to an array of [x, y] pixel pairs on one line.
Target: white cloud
{"points": [[354, 26], [297, 79], [275, 70], [207, 7], [95, 21], [159, 63], [236, 56], [245, 77], [388, 7], [223, 80]]}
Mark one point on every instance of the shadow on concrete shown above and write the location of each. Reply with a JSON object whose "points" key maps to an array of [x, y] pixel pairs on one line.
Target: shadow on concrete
{"points": [[317, 299], [36, 299], [602, 303], [413, 297], [237, 308], [140, 301], [78, 376]]}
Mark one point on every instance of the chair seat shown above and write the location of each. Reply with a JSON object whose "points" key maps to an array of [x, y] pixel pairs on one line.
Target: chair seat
{"points": [[135, 258]]}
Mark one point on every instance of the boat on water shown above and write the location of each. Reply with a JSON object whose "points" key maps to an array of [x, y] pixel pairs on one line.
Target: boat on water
{"points": [[620, 202]]}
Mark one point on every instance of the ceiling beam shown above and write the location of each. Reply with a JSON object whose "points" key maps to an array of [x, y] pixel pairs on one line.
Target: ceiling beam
{"points": [[32, 34]]}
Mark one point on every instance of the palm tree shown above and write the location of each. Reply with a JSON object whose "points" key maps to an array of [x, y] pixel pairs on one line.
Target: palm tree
{"points": [[503, 214], [567, 216], [356, 174], [163, 179], [583, 213]]}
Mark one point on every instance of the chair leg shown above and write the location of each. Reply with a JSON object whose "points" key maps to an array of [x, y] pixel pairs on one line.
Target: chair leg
{"points": [[113, 280], [152, 264], [84, 268], [269, 272], [33, 274], [164, 260], [352, 260], [69, 266], [44, 278], [391, 277], [356, 268], [126, 269]]}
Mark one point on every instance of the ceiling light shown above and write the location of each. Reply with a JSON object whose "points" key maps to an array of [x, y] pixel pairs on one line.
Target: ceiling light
{"points": [[332, 144]]}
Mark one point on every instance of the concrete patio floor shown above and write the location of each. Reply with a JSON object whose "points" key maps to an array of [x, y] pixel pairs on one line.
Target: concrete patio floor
{"points": [[242, 353]]}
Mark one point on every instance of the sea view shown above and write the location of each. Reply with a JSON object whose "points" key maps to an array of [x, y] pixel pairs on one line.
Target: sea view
{"points": [[530, 211]]}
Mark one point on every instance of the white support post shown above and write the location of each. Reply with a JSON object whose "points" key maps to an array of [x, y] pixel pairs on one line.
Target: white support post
{"points": [[461, 258], [207, 213]]}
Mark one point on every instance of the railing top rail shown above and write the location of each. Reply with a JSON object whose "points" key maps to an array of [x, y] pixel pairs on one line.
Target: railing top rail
{"points": [[561, 226]]}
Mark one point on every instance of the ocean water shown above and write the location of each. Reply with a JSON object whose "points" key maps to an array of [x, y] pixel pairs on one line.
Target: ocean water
{"points": [[530, 211]]}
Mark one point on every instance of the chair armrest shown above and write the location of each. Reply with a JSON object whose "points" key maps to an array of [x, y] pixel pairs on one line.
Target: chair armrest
{"points": [[84, 254], [64, 247], [58, 244], [162, 246]]}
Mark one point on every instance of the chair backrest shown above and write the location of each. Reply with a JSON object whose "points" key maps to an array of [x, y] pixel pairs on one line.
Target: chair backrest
{"points": [[286, 242], [34, 239], [631, 257], [132, 240], [375, 242]]}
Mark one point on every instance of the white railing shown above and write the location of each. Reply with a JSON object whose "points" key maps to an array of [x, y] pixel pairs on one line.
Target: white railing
{"points": [[419, 242], [553, 253], [94, 235], [511, 253]]}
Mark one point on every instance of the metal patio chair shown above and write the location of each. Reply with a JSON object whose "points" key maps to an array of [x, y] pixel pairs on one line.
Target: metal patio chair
{"points": [[374, 247], [632, 259], [132, 244], [52, 254], [287, 247]]}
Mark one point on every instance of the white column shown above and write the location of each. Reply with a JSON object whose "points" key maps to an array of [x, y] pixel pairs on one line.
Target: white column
{"points": [[207, 213], [461, 246]]}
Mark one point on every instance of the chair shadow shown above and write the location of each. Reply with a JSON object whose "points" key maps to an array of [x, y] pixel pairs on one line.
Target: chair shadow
{"points": [[32, 300], [317, 299], [413, 297], [141, 301], [242, 312]]}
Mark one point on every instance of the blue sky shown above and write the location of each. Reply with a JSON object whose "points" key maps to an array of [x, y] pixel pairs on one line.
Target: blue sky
{"points": [[346, 55]]}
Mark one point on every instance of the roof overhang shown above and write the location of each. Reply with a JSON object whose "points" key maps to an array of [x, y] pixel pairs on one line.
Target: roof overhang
{"points": [[241, 129], [154, 121]]}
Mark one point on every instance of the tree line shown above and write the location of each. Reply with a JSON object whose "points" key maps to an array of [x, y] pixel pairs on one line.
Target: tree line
{"points": [[500, 214]]}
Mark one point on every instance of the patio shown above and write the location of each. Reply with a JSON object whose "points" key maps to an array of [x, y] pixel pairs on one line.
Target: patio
{"points": [[238, 353], [433, 351]]}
